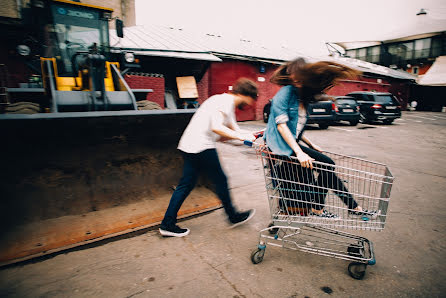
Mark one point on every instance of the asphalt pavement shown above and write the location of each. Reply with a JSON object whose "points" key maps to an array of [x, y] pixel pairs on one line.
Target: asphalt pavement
{"points": [[214, 261]]}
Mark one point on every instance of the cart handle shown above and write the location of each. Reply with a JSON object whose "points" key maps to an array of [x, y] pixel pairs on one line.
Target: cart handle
{"points": [[257, 135]]}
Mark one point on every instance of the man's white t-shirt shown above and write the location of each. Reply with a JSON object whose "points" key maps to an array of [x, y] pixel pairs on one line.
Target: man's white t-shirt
{"points": [[198, 135]]}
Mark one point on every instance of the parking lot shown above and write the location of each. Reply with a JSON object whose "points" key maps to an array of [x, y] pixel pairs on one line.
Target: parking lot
{"points": [[214, 261]]}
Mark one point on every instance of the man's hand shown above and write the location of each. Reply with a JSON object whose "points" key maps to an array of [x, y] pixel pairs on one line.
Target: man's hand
{"points": [[247, 136], [305, 160]]}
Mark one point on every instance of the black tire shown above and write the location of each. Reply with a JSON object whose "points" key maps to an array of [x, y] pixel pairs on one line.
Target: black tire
{"points": [[272, 231], [357, 270], [388, 121], [257, 255], [353, 123], [323, 125]]}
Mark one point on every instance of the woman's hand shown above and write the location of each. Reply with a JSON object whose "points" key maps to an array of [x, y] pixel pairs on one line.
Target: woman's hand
{"points": [[305, 160]]}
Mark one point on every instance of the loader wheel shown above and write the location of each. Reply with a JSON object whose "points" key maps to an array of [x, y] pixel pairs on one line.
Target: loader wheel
{"points": [[257, 255], [148, 105], [357, 270]]}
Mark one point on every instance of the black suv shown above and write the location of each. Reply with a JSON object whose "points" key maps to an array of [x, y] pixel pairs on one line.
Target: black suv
{"points": [[321, 113], [347, 110], [375, 106]]}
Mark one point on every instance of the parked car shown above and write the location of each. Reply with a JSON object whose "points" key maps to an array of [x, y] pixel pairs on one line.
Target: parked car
{"points": [[346, 109], [375, 106], [321, 113]]}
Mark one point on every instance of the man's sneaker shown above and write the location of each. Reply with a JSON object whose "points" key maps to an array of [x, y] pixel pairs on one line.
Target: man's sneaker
{"points": [[325, 214], [371, 214], [175, 231], [241, 218]]}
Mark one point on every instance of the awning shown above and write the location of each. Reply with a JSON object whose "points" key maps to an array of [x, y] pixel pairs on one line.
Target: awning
{"points": [[436, 75], [172, 54]]}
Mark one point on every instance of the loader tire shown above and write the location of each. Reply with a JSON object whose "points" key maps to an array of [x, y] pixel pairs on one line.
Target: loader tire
{"points": [[23, 107], [148, 105]]}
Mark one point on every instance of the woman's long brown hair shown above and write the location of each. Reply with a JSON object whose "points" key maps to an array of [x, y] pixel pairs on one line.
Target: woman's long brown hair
{"points": [[314, 77]]}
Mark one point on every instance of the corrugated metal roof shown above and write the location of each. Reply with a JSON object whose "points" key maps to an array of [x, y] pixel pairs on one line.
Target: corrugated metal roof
{"points": [[153, 40], [156, 40], [368, 67], [153, 37]]}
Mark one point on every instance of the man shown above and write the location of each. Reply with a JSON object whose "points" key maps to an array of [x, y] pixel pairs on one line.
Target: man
{"points": [[213, 121]]}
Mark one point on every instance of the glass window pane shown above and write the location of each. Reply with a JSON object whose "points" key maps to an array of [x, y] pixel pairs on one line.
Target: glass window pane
{"points": [[422, 48], [436, 47]]}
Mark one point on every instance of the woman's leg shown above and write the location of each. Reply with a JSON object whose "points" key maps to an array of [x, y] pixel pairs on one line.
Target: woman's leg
{"points": [[183, 189], [328, 179]]}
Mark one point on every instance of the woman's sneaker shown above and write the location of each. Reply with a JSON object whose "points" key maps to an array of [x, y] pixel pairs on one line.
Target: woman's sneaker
{"points": [[241, 218], [371, 214], [325, 214], [174, 231]]}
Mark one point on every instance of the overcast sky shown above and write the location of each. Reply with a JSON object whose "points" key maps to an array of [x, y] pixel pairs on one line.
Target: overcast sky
{"points": [[290, 22]]}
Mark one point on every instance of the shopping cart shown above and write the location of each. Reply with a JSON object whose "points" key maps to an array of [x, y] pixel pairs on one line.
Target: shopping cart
{"points": [[295, 192]]}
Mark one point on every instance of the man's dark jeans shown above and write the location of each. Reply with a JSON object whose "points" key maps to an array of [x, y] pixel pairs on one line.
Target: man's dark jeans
{"points": [[207, 162]]}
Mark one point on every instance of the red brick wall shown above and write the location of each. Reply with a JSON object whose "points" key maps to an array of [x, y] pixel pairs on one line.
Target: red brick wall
{"points": [[148, 82], [224, 74], [267, 90], [203, 88], [422, 69]]}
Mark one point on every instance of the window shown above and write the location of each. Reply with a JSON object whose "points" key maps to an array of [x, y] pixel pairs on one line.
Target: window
{"points": [[346, 101], [386, 99], [436, 47], [408, 50], [373, 54], [75, 30], [422, 48], [361, 54], [369, 98], [351, 53]]}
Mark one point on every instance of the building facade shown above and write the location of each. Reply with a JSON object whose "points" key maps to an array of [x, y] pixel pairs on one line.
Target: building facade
{"points": [[413, 54]]}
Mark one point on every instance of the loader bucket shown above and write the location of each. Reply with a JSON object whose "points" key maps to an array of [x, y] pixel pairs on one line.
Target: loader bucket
{"points": [[68, 179]]}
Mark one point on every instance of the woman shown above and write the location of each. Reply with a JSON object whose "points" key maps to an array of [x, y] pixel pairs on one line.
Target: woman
{"points": [[303, 83]]}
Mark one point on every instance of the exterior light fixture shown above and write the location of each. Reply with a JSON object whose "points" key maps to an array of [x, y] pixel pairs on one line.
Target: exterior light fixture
{"points": [[422, 12]]}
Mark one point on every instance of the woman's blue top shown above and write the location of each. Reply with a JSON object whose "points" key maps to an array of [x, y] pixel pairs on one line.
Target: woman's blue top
{"points": [[284, 109]]}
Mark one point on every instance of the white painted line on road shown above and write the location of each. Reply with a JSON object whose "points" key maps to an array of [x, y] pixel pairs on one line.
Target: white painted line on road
{"points": [[419, 121], [341, 128], [441, 117], [424, 117]]}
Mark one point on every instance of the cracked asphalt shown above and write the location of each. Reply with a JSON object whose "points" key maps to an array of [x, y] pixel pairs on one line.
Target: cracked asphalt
{"points": [[214, 261]]}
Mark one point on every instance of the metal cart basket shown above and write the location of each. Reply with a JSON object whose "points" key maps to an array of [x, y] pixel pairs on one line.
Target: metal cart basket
{"points": [[296, 195]]}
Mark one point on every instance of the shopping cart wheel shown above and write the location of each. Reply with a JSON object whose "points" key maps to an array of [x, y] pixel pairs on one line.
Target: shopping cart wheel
{"points": [[257, 255], [357, 270], [272, 231]]}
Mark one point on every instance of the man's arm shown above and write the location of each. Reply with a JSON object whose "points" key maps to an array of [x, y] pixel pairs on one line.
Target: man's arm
{"points": [[225, 132]]}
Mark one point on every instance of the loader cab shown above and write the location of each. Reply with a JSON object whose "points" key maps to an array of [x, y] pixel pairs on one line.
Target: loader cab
{"points": [[75, 28]]}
